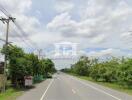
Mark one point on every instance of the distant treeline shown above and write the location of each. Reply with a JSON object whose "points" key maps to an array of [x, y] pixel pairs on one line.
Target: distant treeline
{"points": [[110, 70]]}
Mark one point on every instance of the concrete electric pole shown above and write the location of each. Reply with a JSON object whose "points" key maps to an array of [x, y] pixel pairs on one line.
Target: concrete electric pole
{"points": [[39, 53], [7, 21]]}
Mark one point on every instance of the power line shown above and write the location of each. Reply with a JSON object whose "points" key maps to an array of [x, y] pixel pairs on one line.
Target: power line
{"points": [[20, 29], [25, 34], [7, 21], [5, 11], [23, 39]]}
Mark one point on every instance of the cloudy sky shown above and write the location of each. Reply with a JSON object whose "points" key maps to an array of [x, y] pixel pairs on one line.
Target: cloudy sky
{"points": [[99, 27]]}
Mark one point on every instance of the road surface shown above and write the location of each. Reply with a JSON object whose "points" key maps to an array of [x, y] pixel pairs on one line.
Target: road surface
{"points": [[66, 87]]}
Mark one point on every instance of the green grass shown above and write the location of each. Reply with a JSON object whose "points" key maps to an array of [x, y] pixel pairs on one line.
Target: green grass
{"points": [[115, 86], [10, 94]]}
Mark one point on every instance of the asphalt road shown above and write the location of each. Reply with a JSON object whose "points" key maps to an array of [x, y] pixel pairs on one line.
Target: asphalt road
{"points": [[66, 87]]}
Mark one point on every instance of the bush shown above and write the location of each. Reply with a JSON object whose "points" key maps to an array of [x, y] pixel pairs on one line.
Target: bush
{"points": [[38, 78], [23, 64], [112, 70], [125, 72]]}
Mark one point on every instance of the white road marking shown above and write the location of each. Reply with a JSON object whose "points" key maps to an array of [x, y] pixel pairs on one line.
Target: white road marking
{"points": [[46, 90], [86, 84], [74, 92], [58, 78]]}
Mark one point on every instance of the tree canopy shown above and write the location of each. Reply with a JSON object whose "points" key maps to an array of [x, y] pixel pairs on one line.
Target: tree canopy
{"points": [[26, 64], [109, 70]]}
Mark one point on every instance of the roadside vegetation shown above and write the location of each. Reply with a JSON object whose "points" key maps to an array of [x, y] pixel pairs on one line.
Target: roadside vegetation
{"points": [[11, 94], [113, 72], [23, 64]]}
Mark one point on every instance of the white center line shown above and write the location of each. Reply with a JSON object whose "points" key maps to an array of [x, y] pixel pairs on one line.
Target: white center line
{"points": [[86, 84], [73, 91], [46, 90], [58, 78]]}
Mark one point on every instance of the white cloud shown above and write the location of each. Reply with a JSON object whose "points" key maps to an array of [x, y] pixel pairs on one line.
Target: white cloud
{"points": [[99, 39], [16, 6], [100, 21], [92, 23], [110, 52], [63, 6], [61, 22], [29, 24], [45, 38], [126, 34], [64, 24]]}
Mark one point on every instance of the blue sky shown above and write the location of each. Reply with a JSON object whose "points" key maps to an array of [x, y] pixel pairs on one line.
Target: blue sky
{"points": [[43, 10], [99, 27]]}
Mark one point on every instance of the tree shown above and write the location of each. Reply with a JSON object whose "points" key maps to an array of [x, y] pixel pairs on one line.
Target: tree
{"points": [[82, 67], [23, 64], [16, 60], [20, 64], [105, 71], [125, 72], [47, 66], [34, 63]]}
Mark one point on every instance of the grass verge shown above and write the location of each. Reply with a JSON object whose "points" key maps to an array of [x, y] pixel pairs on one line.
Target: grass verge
{"points": [[11, 94], [115, 86]]}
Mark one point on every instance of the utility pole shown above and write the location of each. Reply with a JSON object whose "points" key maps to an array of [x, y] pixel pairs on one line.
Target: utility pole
{"points": [[7, 21], [39, 53]]}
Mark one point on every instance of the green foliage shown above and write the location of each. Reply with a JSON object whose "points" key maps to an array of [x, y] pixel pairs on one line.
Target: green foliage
{"points": [[125, 72], [38, 78], [110, 70], [23, 64], [105, 71], [47, 66], [95, 72], [34, 64], [82, 67]]}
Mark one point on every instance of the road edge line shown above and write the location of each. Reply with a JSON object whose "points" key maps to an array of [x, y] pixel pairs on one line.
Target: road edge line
{"points": [[86, 84], [42, 97]]}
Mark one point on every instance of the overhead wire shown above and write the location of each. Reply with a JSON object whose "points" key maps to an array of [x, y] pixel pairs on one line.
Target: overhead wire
{"points": [[23, 40], [24, 35]]}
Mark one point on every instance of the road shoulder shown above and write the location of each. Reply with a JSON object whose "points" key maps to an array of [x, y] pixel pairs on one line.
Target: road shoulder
{"points": [[105, 89], [35, 93]]}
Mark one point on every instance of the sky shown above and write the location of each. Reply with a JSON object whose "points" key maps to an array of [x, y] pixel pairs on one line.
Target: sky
{"points": [[99, 27]]}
